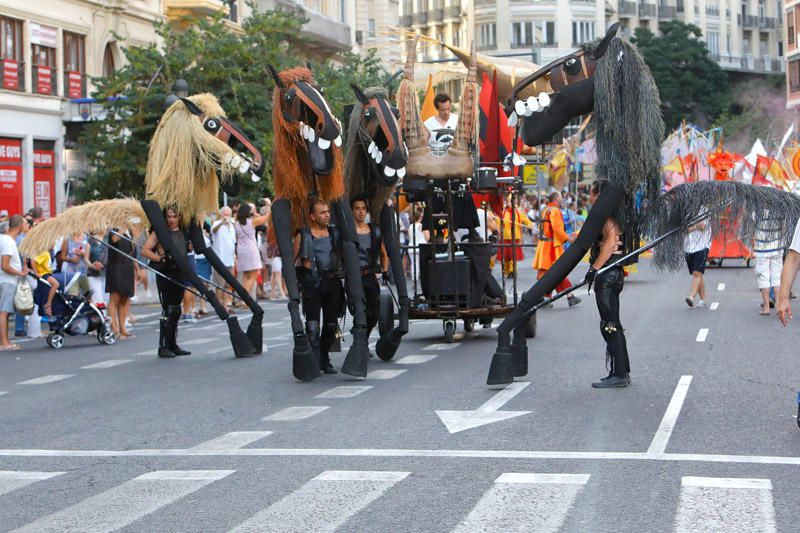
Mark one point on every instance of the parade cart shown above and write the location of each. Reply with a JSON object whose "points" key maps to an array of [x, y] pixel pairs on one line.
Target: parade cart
{"points": [[452, 278], [726, 245]]}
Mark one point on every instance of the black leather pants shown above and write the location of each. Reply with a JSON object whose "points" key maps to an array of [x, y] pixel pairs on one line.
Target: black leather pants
{"points": [[607, 287]]}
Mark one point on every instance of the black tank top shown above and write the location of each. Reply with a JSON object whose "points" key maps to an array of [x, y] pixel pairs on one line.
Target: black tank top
{"points": [[364, 245], [323, 253]]}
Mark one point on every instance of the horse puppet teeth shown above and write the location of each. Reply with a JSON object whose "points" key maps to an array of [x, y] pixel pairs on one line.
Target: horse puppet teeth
{"points": [[338, 141], [323, 143]]}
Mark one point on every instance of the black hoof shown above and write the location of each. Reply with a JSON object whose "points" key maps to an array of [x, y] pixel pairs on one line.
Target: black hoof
{"points": [[501, 372]]}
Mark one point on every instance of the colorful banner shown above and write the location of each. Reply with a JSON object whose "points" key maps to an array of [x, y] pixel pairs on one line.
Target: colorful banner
{"points": [[10, 75], [74, 84], [44, 177]]}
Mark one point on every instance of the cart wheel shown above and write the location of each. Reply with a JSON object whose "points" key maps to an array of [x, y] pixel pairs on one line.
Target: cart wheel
{"points": [[55, 340], [530, 327], [469, 324], [385, 314], [449, 330]]}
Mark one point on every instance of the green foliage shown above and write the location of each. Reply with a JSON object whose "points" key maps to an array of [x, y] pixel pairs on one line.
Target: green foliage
{"points": [[691, 84], [211, 58]]}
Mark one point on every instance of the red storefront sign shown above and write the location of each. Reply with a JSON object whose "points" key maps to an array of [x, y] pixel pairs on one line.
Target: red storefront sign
{"points": [[10, 74], [44, 80], [11, 175], [44, 178], [75, 84]]}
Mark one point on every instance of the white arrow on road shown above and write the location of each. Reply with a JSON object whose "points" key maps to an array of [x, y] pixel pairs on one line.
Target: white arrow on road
{"points": [[487, 413]]}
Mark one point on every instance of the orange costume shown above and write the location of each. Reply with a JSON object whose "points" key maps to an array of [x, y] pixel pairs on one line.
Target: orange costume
{"points": [[512, 233], [551, 242]]}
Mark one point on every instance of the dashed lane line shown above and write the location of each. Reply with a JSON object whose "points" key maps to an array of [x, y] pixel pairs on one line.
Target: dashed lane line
{"points": [[290, 414], [344, 391], [721, 287], [231, 441], [3, 392], [384, 374], [664, 431], [107, 364], [203, 340], [714, 306], [416, 359], [440, 347], [46, 379], [701, 335]]}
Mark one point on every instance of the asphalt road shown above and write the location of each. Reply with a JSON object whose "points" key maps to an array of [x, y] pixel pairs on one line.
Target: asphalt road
{"points": [[97, 438]]}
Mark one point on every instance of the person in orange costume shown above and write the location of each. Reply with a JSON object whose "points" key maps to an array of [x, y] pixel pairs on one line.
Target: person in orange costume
{"points": [[551, 243], [512, 233]]}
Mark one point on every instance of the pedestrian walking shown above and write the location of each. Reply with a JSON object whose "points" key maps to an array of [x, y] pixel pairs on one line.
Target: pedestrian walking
{"points": [[248, 259], [120, 281], [223, 237], [768, 250], [11, 270], [373, 259], [695, 247]]}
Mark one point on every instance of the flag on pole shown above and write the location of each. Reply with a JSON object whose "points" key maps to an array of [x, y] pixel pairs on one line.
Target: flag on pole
{"points": [[428, 109]]}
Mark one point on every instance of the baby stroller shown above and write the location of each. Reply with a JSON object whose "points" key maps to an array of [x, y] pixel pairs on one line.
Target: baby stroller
{"points": [[71, 315]]}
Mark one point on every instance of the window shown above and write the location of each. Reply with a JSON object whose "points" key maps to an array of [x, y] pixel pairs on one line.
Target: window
{"points": [[74, 65], [371, 28], [408, 7], [13, 73], [790, 27], [545, 33], [582, 32], [108, 60], [794, 76], [488, 33], [521, 34], [43, 58], [762, 8], [712, 40]]}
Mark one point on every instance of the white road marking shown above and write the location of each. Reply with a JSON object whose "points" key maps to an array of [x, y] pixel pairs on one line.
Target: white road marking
{"points": [[384, 374], [295, 413], [203, 340], [487, 413], [345, 391], [13, 479], [231, 441], [219, 350], [107, 364], [725, 504], [664, 431], [430, 453], [272, 324], [126, 503], [702, 334], [323, 504], [210, 326], [520, 502], [721, 287], [714, 306], [416, 359], [440, 347], [3, 392], [146, 352], [46, 379]]}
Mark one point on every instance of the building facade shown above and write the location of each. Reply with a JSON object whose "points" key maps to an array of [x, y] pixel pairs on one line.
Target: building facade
{"points": [[792, 18], [49, 50], [369, 21]]}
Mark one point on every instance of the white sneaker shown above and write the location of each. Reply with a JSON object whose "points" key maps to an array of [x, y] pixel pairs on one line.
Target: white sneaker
{"points": [[701, 303]]}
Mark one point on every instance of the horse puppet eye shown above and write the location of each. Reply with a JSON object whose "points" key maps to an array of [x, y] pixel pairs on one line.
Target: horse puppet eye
{"points": [[572, 66]]}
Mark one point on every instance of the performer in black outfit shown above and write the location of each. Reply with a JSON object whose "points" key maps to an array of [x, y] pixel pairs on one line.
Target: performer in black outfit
{"points": [[607, 286], [318, 247], [170, 294], [372, 259]]}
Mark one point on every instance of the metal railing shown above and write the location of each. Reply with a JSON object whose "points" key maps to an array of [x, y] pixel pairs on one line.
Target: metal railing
{"points": [[405, 20], [767, 23], [452, 12], [20, 81], [712, 11], [667, 12], [647, 10], [747, 21], [627, 8], [436, 15], [37, 88]]}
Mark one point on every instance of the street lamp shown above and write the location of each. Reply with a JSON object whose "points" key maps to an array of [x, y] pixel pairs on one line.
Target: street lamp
{"points": [[180, 89]]}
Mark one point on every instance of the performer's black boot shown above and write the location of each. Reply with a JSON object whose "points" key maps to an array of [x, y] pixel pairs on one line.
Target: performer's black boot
{"points": [[618, 349], [327, 338], [163, 337], [173, 316]]}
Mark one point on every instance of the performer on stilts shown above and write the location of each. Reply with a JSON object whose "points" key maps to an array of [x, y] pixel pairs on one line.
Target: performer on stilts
{"points": [[170, 294]]}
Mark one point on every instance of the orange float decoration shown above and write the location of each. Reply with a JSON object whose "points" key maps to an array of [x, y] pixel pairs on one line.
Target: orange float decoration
{"points": [[726, 245]]}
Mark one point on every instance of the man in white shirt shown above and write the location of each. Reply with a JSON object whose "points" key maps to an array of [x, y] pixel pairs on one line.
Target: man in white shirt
{"points": [[443, 120], [10, 272], [695, 247], [223, 236], [790, 267]]}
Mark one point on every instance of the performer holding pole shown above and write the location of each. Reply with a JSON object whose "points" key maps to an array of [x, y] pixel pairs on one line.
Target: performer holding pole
{"points": [[372, 259], [318, 247], [169, 294], [607, 287]]}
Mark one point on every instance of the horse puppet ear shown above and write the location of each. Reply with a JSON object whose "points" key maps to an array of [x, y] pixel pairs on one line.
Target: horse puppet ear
{"points": [[192, 107], [274, 73], [598, 52], [359, 94]]}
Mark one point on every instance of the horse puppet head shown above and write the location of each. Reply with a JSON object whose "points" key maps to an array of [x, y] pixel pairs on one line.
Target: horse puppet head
{"points": [[376, 156], [195, 149], [307, 154]]}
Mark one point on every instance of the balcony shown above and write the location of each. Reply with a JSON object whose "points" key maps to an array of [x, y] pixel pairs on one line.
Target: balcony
{"points": [[767, 23], [175, 9], [326, 34], [419, 19], [679, 6], [452, 12], [712, 11], [747, 21], [627, 8], [435, 15], [667, 12], [647, 11], [405, 20]]}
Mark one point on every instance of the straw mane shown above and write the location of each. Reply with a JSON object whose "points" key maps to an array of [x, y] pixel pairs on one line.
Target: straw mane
{"points": [[183, 160], [91, 217], [292, 174]]}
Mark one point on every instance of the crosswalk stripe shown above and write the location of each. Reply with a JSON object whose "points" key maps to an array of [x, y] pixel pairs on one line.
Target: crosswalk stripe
{"points": [[323, 504], [519, 502], [107, 364], [384, 374], [126, 503], [46, 379], [231, 441], [416, 359], [344, 391], [725, 504], [3, 392], [295, 413], [440, 347], [12, 480]]}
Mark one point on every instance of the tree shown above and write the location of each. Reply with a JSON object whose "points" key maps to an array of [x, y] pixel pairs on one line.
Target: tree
{"points": [[212, 59], [691, 84]]}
